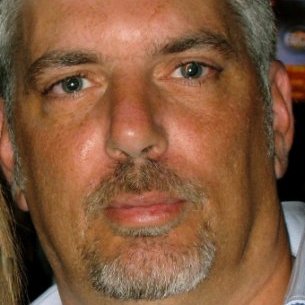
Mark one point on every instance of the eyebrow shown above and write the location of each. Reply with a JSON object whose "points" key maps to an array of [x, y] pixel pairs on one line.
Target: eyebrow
{"points": [[61, 58], [201, 39], [58, 59]]}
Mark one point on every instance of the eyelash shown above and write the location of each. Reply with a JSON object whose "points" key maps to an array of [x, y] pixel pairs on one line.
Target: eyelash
{"points": [[200, 80], [47, 90], [190, 81]]}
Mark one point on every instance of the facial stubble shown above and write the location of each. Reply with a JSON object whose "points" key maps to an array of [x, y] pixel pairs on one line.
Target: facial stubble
{"points": [[149, 266]]}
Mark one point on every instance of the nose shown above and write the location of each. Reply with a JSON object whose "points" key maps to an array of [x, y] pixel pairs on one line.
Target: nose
{"points": [[135, 131]]}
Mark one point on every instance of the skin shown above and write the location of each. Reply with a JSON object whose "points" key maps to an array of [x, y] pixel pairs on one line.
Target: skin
{"points": [[137, 105]]}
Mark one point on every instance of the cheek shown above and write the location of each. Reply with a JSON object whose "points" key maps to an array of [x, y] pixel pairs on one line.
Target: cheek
{"points": [[223, 148], [61, 165], [212, 141]]}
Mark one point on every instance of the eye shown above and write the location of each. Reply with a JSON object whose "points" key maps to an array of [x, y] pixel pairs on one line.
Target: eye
{"points": [[191, 70], [69, 85], [72, 84]]}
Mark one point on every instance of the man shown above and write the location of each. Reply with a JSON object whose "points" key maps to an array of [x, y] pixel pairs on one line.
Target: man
{"points": [[144, 140]]}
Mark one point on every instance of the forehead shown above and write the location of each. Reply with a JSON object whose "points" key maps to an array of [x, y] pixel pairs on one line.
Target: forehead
{"points": [[118, 24]]}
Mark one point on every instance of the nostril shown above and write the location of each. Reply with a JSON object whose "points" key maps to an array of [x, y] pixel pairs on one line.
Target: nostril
{"points": [[146, 150], [151, 147], [115, 152]]}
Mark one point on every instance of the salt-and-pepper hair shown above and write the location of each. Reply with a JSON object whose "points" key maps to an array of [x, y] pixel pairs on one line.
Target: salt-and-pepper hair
{"points": [[10, 281], [255, 18], [256, 22], [9, 25]]}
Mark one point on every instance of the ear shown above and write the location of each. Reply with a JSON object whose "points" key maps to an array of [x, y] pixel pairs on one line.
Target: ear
{"points": [[283, 124], [7, 160], [6, 149]]}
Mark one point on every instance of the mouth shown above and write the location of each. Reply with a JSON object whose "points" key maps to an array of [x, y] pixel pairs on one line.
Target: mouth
{"points": [[151, 209]]}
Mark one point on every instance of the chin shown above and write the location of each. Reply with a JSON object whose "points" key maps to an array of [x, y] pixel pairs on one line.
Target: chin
{"points": [[150, 266]]}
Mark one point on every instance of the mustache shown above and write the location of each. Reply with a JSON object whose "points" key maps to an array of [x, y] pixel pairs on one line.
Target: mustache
{"points": [[135, 178]]}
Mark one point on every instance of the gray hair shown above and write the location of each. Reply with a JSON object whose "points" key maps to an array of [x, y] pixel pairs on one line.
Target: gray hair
{"points": [[257, 23], [9, 12], [255, 18]]}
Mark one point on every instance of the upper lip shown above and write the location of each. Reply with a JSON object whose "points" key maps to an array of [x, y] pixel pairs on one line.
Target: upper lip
{"points": [[128, 200]]}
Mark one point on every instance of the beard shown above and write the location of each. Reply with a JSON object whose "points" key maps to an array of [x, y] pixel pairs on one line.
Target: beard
{"points": [[151, 266]]}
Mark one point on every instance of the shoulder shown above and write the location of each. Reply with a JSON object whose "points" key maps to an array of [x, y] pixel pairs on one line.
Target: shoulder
{"points": [[294, 213], [50, 297]]}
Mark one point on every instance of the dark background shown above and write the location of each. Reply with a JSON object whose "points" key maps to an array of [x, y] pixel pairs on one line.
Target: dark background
{"points": [[292, 185]]}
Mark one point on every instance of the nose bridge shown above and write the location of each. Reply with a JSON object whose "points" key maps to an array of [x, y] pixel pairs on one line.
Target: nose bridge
{"points": [[135, 130]]}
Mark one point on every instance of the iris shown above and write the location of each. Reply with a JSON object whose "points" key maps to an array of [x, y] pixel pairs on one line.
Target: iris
{"points": [[72, 84], [192, 70]]}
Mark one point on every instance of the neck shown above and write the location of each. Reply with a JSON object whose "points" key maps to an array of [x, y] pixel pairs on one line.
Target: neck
{"points": [[269, 282]]}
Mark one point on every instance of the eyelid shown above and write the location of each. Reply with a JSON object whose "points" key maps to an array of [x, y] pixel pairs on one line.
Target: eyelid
{"points": [[212, 70], [49, 88], [184, 64], [204, 65], [49, 77]]}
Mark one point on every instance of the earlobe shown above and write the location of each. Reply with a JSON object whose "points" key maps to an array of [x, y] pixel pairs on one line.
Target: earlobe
{"points": [[7, 160], [283, 124], [19, 197]]}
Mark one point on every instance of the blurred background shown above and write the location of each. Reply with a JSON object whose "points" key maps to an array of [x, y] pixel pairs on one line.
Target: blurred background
{"points": [[291, 50]]}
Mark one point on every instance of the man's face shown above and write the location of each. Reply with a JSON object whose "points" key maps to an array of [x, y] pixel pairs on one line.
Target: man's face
{"points": [[139, 126]]}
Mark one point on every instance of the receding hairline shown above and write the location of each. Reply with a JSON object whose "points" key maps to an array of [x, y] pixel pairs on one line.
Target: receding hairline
{"points": [[238, 9], [222, 41]]}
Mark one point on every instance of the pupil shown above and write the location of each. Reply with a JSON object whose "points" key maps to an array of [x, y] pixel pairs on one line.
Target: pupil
{"points": [[72, 84], [192, 70]]}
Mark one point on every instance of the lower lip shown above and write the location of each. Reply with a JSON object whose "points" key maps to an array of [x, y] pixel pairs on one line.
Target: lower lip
{"points": [[147, 216]]}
